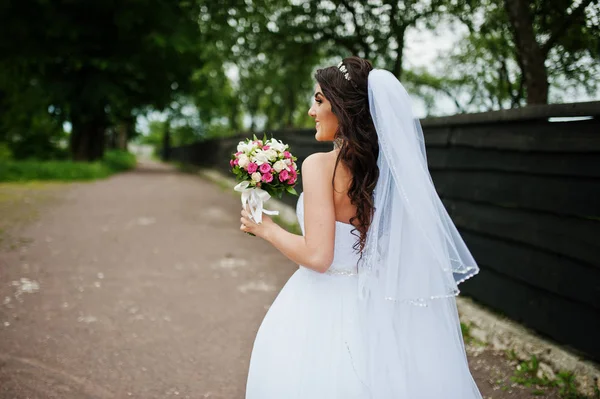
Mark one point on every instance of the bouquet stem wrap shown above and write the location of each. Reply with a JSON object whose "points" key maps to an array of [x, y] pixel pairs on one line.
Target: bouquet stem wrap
{"points": [[254, 197]]}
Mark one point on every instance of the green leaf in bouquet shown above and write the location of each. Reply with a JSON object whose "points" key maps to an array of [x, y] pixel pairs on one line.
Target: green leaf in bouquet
{"points": [[291, 190], [264, 137], [254, 136]]}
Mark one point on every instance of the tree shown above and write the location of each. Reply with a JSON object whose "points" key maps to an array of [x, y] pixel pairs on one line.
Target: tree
{"points": [[485, 70], [375, 30], [29, 126], [540, 26], [98, 61]]}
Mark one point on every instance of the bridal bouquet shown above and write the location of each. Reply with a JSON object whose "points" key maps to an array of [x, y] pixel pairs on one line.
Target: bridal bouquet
{"points": [[264, 169]]}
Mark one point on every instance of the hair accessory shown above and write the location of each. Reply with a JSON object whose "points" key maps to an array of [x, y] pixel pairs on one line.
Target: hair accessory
{"points": [[343, 70]]}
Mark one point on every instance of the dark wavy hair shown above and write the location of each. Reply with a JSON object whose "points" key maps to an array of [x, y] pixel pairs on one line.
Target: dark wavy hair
{"points": [[359, 146]]}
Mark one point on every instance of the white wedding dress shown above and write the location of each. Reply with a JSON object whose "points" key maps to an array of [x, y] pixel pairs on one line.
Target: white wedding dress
{"points": [[387, 327], [310, 344]]}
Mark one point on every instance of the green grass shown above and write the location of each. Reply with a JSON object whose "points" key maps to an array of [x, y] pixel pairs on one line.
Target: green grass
{"points": [[526, 374], [23, 171], [468, 337], [20, 203], [119, 161]]}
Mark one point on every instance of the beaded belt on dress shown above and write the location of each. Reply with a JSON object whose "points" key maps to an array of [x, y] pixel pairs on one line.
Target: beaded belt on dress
{"points": [[342, 272]]}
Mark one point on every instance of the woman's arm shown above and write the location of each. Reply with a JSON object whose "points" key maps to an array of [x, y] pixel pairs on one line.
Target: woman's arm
{"points": [[315, 249]]}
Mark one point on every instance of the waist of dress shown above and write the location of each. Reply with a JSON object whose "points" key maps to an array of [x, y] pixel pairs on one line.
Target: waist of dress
{"points": [[342, 272], [334, 271]]}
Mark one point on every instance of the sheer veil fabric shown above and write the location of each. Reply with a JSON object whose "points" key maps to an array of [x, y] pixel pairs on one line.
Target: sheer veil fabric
{"points": [[413, 261]]}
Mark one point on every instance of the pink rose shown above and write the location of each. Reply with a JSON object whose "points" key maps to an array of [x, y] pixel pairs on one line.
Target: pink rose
{"points": [[231, 163], [284, 175], [265, 168], [267, 177], [252, 167], [293, 177], [235, 161], [286, 154], [238, 153], [265, 148]]}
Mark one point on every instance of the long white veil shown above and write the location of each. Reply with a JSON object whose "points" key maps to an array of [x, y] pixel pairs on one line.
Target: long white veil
{"points": [[413, 260]]}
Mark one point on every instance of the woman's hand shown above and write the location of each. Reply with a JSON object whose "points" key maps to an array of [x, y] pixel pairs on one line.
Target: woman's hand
{"points": [[261, 230]]}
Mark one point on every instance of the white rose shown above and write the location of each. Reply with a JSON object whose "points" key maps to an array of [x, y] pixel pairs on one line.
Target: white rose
{"points": [[287, 161], [271, 154], [279, 166], [245, 147], [261, 157], [256, 176], [243, 160], [295, 166], [277, 145]]}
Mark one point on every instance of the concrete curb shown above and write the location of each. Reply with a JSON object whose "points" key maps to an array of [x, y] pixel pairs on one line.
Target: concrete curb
{"points": [[499, 332]]}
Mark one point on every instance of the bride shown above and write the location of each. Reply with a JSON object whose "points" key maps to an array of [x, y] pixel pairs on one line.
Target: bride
{"points": [[371, 311]]}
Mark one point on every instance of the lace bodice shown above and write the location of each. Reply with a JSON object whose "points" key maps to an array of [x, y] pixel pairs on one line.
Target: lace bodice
{"points": [[345, 259]]}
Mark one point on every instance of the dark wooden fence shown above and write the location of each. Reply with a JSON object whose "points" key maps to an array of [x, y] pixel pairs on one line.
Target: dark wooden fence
{"points": [[523, 187]]}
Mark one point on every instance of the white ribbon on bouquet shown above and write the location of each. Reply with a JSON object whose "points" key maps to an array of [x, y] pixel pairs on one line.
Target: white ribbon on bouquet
{"points": [[254, 197]]}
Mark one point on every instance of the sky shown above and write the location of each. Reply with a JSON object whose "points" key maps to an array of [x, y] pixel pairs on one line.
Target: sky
{"points": [[421, 48]]}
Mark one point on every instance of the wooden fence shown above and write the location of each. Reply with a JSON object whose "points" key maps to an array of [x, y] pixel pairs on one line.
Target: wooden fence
{"points": [[523, 187]]}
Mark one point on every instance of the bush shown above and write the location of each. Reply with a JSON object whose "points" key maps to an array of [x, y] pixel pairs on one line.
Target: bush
{"points": [[119, 160], [114, 161], [5, 152]]}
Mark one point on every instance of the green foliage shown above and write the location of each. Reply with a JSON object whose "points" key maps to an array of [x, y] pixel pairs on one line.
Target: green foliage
{"points": [[52, 170], [5, 152], [491, 69], [567, 387], [98, 62], [119, 160], [20, 171], [466, 332], [528, 374], [154, 137]]}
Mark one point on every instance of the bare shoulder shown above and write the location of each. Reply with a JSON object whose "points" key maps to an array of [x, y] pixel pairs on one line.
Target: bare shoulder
{"points": [[319, 161], [317, 171]]}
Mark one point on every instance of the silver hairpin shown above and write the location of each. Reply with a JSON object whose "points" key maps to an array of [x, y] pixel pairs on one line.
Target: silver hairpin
{"points": [[343, 70]]}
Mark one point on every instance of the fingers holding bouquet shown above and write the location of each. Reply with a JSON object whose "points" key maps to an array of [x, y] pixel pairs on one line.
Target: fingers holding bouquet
{"points": [[248, 225]]}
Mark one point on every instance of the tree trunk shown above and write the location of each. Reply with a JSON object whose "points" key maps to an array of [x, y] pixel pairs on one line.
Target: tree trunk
{"points": [[291, 107], [398, 69], [121, 136], [530, 52], [233, 116], [166, 150], [87, 139]]}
